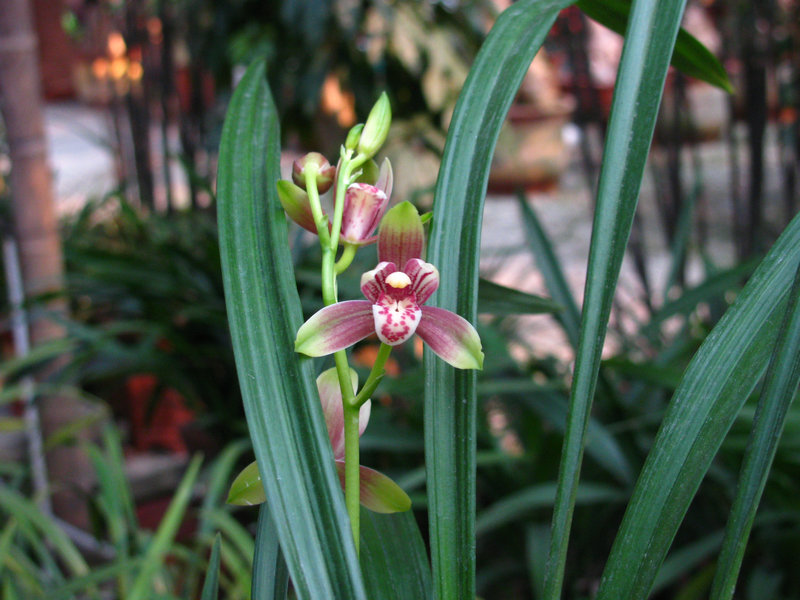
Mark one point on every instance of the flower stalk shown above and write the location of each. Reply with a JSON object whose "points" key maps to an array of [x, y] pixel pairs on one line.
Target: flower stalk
{"points": [[395, 290]]}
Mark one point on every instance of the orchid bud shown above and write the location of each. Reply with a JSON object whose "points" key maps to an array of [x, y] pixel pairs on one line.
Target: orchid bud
{"points": [[296, 204], [325, 171], [364, 206], [376, 128], [353, 136]]}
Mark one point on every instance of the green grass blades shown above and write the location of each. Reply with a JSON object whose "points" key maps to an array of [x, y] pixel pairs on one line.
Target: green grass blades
{"points": [[165, 534], [780, 387], [690, 56], [500, 300], [281, 404], [454, 242], [716, 384], [211, 584], [650, 37], [393, 556]]}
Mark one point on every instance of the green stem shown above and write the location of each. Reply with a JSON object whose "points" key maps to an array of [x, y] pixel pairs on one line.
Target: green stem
{"points": [[352, 483], [347, 167], [321, 221], [374, 378], [346, 258]]}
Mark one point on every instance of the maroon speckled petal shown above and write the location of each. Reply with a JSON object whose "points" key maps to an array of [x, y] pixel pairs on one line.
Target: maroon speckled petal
{"points": [[396, 319], [335, 327], [400, 236]]}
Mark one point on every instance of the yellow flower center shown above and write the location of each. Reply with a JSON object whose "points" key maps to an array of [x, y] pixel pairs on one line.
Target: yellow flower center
{"points": [[398, 280]]}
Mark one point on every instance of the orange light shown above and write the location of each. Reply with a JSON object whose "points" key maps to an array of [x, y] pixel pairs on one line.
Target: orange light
{"points": [[100, 68], [337, 102], [135, 71], [116, 44], [118, 68]]}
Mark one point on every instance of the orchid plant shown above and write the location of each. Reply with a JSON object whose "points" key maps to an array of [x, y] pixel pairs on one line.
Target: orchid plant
{"points": [[396, 291]]}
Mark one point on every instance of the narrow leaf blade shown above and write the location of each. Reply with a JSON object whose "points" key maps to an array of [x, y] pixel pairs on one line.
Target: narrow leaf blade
{"points": [[450, 397], [717, 382], [649, 41], [281, 404]]}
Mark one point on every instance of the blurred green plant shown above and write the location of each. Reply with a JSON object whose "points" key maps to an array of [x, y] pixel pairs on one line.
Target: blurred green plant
{"points": [[146, 297], [121, 559]]}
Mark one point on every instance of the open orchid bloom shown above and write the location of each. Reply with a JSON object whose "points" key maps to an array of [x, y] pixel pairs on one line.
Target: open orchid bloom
{"points": [[396, 291], [377, 492]]}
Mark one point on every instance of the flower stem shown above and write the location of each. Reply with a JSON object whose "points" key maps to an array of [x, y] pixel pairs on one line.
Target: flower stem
{"points": [[330, 269], [375, 376], [346, 258], [352, 483]]}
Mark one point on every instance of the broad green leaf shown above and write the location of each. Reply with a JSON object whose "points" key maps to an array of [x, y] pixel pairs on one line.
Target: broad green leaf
{"points": [[500, 300], [211, 583], [453, 246], [283, 411], [649, 40], [393, 556], [780, 387], [716, 384], [270, 575], [690, 56]]}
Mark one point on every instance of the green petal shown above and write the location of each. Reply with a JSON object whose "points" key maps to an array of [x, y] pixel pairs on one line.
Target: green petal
{"points": [[378, 492], [400, 236], [247, 489]]}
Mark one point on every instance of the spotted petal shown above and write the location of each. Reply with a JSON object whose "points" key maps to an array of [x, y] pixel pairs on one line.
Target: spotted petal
{"points": [[400, 236], [373, 283], [424, 278], [330, 394], [335, 327], [396, 319], [377, 492], [451, 337]]}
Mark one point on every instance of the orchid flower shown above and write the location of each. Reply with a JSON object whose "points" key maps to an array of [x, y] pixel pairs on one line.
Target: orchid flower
{"points": [[396, 291], [377, 492]]}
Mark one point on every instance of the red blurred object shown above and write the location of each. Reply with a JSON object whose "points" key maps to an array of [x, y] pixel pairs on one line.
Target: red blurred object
{"points": [[156, 417]]}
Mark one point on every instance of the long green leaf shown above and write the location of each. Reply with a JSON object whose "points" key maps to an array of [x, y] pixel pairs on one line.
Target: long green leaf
{"points": [[518, 504], [393, 556], [270, 576], [454, 246], [690, 55], [547, 263], [648, 46], [281, 404], [500, 300], [780, 386], [716, 384]]}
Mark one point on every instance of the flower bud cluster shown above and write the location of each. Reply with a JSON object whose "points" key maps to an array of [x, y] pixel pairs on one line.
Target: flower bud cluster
{"points": [[366, 193]]}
